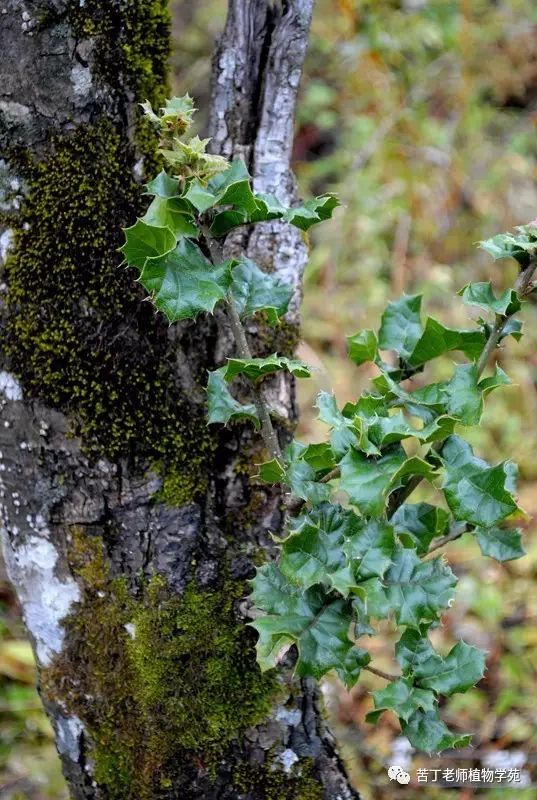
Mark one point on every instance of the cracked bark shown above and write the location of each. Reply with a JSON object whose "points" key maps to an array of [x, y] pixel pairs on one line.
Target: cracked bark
{"points": [[50, 485]]}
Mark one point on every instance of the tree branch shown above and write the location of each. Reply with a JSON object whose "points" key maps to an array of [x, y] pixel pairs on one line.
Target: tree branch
{"points": [[381, 674]]}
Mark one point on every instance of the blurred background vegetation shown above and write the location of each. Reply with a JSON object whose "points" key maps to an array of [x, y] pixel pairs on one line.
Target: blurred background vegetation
{"points": [[422, 115]]}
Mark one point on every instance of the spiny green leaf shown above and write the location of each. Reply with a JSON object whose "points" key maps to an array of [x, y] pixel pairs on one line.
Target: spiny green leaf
{"points": [[319, 628], [507, 245], [370, 548], [313, 553], [183, 283], [499, 378], [143, 241], [419, 523], [367, 480], [436, 340], [347, 432], [417, 591], [475, 491], [225, 221], [222, 407], [403, 699], [268, 208], [363, 346], [303, 482], [312, 211], [297, 474], [255, 368], [503, 545], [200, 196], [164, 186], [482, 295], [462, 668], [232, 188], [401, 327], [254, 290], [425, 731], [412, 650], [272, 471], [172, 214], [464, 400]]}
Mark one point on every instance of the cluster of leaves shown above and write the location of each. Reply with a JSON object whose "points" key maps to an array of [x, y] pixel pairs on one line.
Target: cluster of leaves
{"points": [[344, 567]]}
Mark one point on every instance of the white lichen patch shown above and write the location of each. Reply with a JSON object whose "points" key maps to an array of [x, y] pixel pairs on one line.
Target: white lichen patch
{"points": [[287, 759], [291, 716], [81, 80], [45, 599], [69, 730], [6, 242], [10, 387]]}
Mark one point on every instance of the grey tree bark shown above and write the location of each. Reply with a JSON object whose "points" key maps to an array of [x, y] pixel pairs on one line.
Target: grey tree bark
{"points": [[128, 528]]}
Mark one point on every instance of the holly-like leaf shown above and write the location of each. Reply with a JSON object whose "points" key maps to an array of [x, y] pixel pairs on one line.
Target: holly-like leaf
{"points": [[417, 591], [254, 290], [312, 211], [417, 524], [199, 196], [426, 732], [272, 471], [413, 649], [367, 480], [314, 552], [401, 327], [183, 283], [143, 241], [268, 208], [232, 188], [222, 407], [464, 399], [370, 548], [508, 245], [255, 368], [318, 627], [475, 492], [303, 481], [164, 186], [482, 295], [403, 699], [300, 476], [462, 668], [173, 214], [436, 340], [503, 545], [363, 346], [224, 221], [499, 378]]}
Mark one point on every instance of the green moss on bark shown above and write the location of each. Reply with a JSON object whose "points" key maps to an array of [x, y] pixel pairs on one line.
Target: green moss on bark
{"points": [[162, 683], [271, 782], [78, 334]]}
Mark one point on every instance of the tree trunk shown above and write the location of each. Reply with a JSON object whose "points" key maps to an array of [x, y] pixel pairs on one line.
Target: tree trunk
{"points": [[129, 527]]}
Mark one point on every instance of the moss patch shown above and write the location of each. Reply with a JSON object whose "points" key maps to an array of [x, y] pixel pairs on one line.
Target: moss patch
{"points": [[272, 783], [160, 681], [131, 42], [78, 335]]}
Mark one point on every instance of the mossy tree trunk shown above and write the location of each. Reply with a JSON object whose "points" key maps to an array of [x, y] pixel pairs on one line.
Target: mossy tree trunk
{"points": [[129, 527]]}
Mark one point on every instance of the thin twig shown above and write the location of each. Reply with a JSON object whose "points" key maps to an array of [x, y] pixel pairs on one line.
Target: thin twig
{"points": [[268, 433], [267, 429], [381, 674], [456, 533]]}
